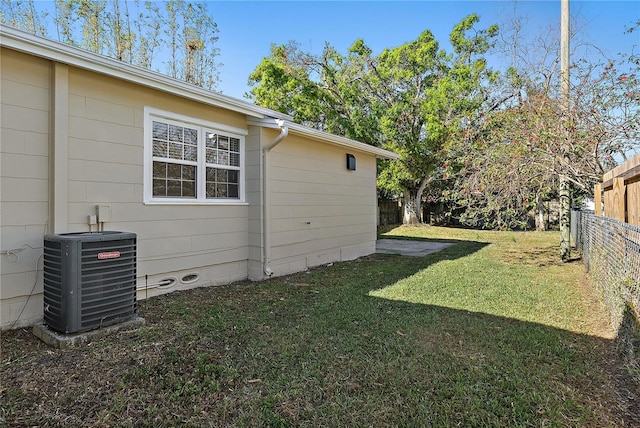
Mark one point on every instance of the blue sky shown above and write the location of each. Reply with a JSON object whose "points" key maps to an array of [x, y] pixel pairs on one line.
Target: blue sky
{"points": [[248, 28]]}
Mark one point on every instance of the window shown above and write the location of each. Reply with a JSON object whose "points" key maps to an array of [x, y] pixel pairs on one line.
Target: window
{"points": [[175, 160], [191, 161], [222, 163]]}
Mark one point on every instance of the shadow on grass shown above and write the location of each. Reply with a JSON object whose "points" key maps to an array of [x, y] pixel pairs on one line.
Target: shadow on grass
{"points": [[628, 343], [420, 239], [316, 349]]}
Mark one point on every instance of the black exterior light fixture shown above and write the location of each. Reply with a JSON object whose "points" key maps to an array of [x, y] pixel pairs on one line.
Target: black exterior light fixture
{"points": [[351, 162]]}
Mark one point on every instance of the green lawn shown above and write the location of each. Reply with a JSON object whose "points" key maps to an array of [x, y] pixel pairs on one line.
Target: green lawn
{"points": [[492, 331]]}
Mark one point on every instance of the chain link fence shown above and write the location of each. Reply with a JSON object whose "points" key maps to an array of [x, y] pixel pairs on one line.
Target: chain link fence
{"points": [[611, 252]]}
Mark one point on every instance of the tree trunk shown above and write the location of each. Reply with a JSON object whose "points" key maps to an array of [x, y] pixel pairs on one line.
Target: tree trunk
{"points": [[413, 204], [411, 209], [541, 224], [565, 219]]}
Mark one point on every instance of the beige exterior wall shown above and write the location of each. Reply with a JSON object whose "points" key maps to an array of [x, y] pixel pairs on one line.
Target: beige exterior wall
{"points": [[254, 199], [58, 164], [106, 152], [104, 166], [24, 184], [320, 211]]}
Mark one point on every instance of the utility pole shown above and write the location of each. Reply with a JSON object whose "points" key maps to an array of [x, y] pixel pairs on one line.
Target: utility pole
{"points": [[563, 190]]}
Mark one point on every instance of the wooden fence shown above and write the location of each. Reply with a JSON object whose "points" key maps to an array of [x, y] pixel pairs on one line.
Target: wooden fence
{"points": [[389, 212], [621, 188]]}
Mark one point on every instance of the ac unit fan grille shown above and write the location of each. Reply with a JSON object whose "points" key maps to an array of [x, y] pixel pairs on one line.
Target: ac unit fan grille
{"points": [[108, 285]]}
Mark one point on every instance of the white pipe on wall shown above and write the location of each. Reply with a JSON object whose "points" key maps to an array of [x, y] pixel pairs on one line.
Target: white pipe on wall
{"points": [[266, 214]]}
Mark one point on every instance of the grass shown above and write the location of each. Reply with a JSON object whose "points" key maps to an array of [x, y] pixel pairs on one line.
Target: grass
{"points": [[491, 331]]}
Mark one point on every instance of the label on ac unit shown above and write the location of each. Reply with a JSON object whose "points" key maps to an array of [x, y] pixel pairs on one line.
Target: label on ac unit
{"points": [[109, 255]]}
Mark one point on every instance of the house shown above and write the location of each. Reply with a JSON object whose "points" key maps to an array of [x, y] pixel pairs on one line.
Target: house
{"points": [[216, 189]]}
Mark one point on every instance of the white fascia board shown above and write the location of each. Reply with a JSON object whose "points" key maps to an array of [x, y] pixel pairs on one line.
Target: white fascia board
{"points": [[325, 137], [342, 141], [267, 122], [59, 52]]}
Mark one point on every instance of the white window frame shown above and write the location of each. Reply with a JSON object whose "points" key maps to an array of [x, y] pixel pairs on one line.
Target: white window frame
{"points": [[203, 126]]}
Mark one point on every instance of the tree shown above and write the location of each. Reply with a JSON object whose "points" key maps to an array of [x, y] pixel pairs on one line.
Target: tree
{"points": [[129, 31], [23, 15], [412, 99], [191, 34], [497, 179], [146, 35], [326, 92], [64, 21], [509, 163], [92, 15]]}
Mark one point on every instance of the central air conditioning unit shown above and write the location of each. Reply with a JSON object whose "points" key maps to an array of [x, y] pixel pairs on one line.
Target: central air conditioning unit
{"points": [[89, 280]]}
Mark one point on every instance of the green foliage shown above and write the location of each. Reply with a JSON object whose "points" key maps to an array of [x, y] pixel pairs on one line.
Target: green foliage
{"points": [[129, 31], [486, 144], [509, 160], [23, 15], [411, 99], [285, 83], [192, 35]]}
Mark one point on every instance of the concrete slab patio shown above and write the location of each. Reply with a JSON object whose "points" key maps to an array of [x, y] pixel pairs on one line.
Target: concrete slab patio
{"points": [[409, 248]]}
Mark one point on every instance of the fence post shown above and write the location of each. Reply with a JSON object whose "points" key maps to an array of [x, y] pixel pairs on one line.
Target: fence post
{"points": [[597, 199], [633, 202], [576, 228], [618, 200]]}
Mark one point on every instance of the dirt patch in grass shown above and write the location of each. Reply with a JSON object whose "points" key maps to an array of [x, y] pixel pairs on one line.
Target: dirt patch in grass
{"points": [[455, 338], [542, 256]]}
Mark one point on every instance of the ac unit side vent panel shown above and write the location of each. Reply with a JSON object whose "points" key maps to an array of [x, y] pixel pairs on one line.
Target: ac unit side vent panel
{"points": [[89, 280], [52, 280]]}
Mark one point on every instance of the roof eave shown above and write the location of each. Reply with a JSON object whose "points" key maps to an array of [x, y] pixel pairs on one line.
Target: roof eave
{"points": [[55, 51], [22, 41], [342, 141], [327, 138]]}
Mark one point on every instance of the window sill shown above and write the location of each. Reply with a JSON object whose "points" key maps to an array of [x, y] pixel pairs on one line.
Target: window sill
{"points": [[196, 202]]}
